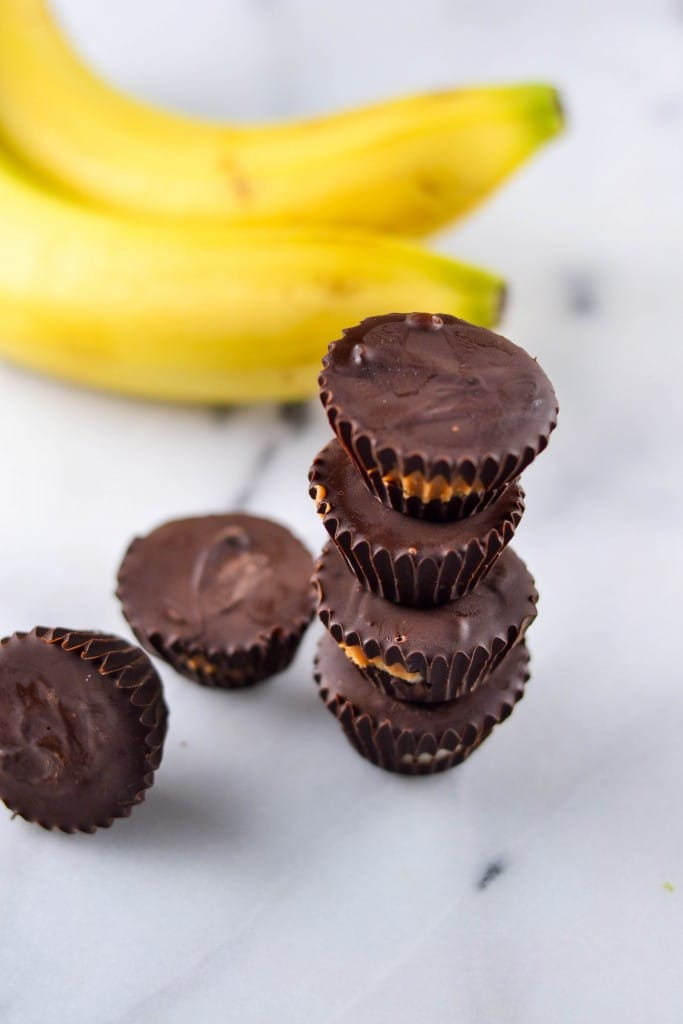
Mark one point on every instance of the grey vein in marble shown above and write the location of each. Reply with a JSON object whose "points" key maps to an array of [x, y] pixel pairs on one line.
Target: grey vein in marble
{"points": [[493, 870]]}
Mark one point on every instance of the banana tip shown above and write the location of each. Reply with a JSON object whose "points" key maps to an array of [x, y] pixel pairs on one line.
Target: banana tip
{"points": [[560, 111], [502, 302]]}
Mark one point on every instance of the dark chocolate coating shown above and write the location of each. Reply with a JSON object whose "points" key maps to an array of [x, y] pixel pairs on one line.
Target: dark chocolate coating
{"points": [[453, 646], [435, 395], [402, 559], [225, 599], [416, 739], [82, 726]]}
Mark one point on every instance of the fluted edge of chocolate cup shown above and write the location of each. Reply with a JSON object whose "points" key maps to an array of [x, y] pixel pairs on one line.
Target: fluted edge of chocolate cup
{"points": [[461, 675], [409, 578], [482, 481], [413, 751], [443, 678], [230, 667]]}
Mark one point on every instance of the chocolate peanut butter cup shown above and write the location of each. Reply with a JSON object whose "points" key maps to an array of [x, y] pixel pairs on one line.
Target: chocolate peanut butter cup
{"points": [[406, 560], [416, 739], [437, 414], [426, 655], [82, 727], [224, 599]]}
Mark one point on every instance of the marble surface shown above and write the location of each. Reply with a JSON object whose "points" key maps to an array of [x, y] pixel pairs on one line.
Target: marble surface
{"points": [[273, 875]]}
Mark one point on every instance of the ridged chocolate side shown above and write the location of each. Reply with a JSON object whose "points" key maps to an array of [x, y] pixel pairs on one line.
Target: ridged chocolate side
{"points": [[416, 739], [434, 398], [407, 561], [229, 669], [453, 647], [375, 462], [81, 741]]}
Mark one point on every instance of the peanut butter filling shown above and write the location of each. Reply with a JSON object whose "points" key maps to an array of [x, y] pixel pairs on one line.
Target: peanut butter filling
{"points": [[198, 663], [356, 654], [322, 507], [442, 754], [416, 485]]}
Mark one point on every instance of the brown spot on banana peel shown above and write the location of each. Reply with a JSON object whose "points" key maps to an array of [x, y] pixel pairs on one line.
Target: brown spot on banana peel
{"points": [[430, 186], [241, 188], [241, 185], [341, 287]]}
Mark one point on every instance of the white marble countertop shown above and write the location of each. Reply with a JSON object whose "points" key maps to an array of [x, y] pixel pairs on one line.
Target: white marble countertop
{"points": [[273, 875]]}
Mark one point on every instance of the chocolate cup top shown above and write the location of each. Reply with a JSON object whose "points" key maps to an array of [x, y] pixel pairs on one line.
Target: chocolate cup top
{"points": [[341, 683], [216, 584], [347, 506], [428, 641], [434, 394], [82, 723]]}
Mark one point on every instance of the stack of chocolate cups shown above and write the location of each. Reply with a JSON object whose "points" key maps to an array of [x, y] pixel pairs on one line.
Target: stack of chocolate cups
{"points": [[425, 604]]}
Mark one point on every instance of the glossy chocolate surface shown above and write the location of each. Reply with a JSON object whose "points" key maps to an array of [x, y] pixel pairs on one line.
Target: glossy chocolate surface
{"points": [[437, 386], [216, 594]]}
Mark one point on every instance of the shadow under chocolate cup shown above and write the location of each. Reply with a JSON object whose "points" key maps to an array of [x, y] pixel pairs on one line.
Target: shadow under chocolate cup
{"points": [[426, 655], [416, 739], [224, 599], [439, 415], [82, 727], [405, 560]]}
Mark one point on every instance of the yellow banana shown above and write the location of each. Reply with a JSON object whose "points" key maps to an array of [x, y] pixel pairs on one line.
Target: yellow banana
{"points": [[404, 166], [200, 314]]}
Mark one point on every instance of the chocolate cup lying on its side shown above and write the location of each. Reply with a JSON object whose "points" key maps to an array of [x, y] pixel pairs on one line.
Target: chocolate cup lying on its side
{"points": [[82, 727]]}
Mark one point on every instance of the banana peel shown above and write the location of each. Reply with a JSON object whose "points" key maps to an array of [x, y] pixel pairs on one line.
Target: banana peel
{"points": [[197, 314], [404, 166], [169, 258]]}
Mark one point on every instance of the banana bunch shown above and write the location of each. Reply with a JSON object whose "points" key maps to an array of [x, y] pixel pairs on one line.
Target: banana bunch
{"points": [[183, 260]]}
